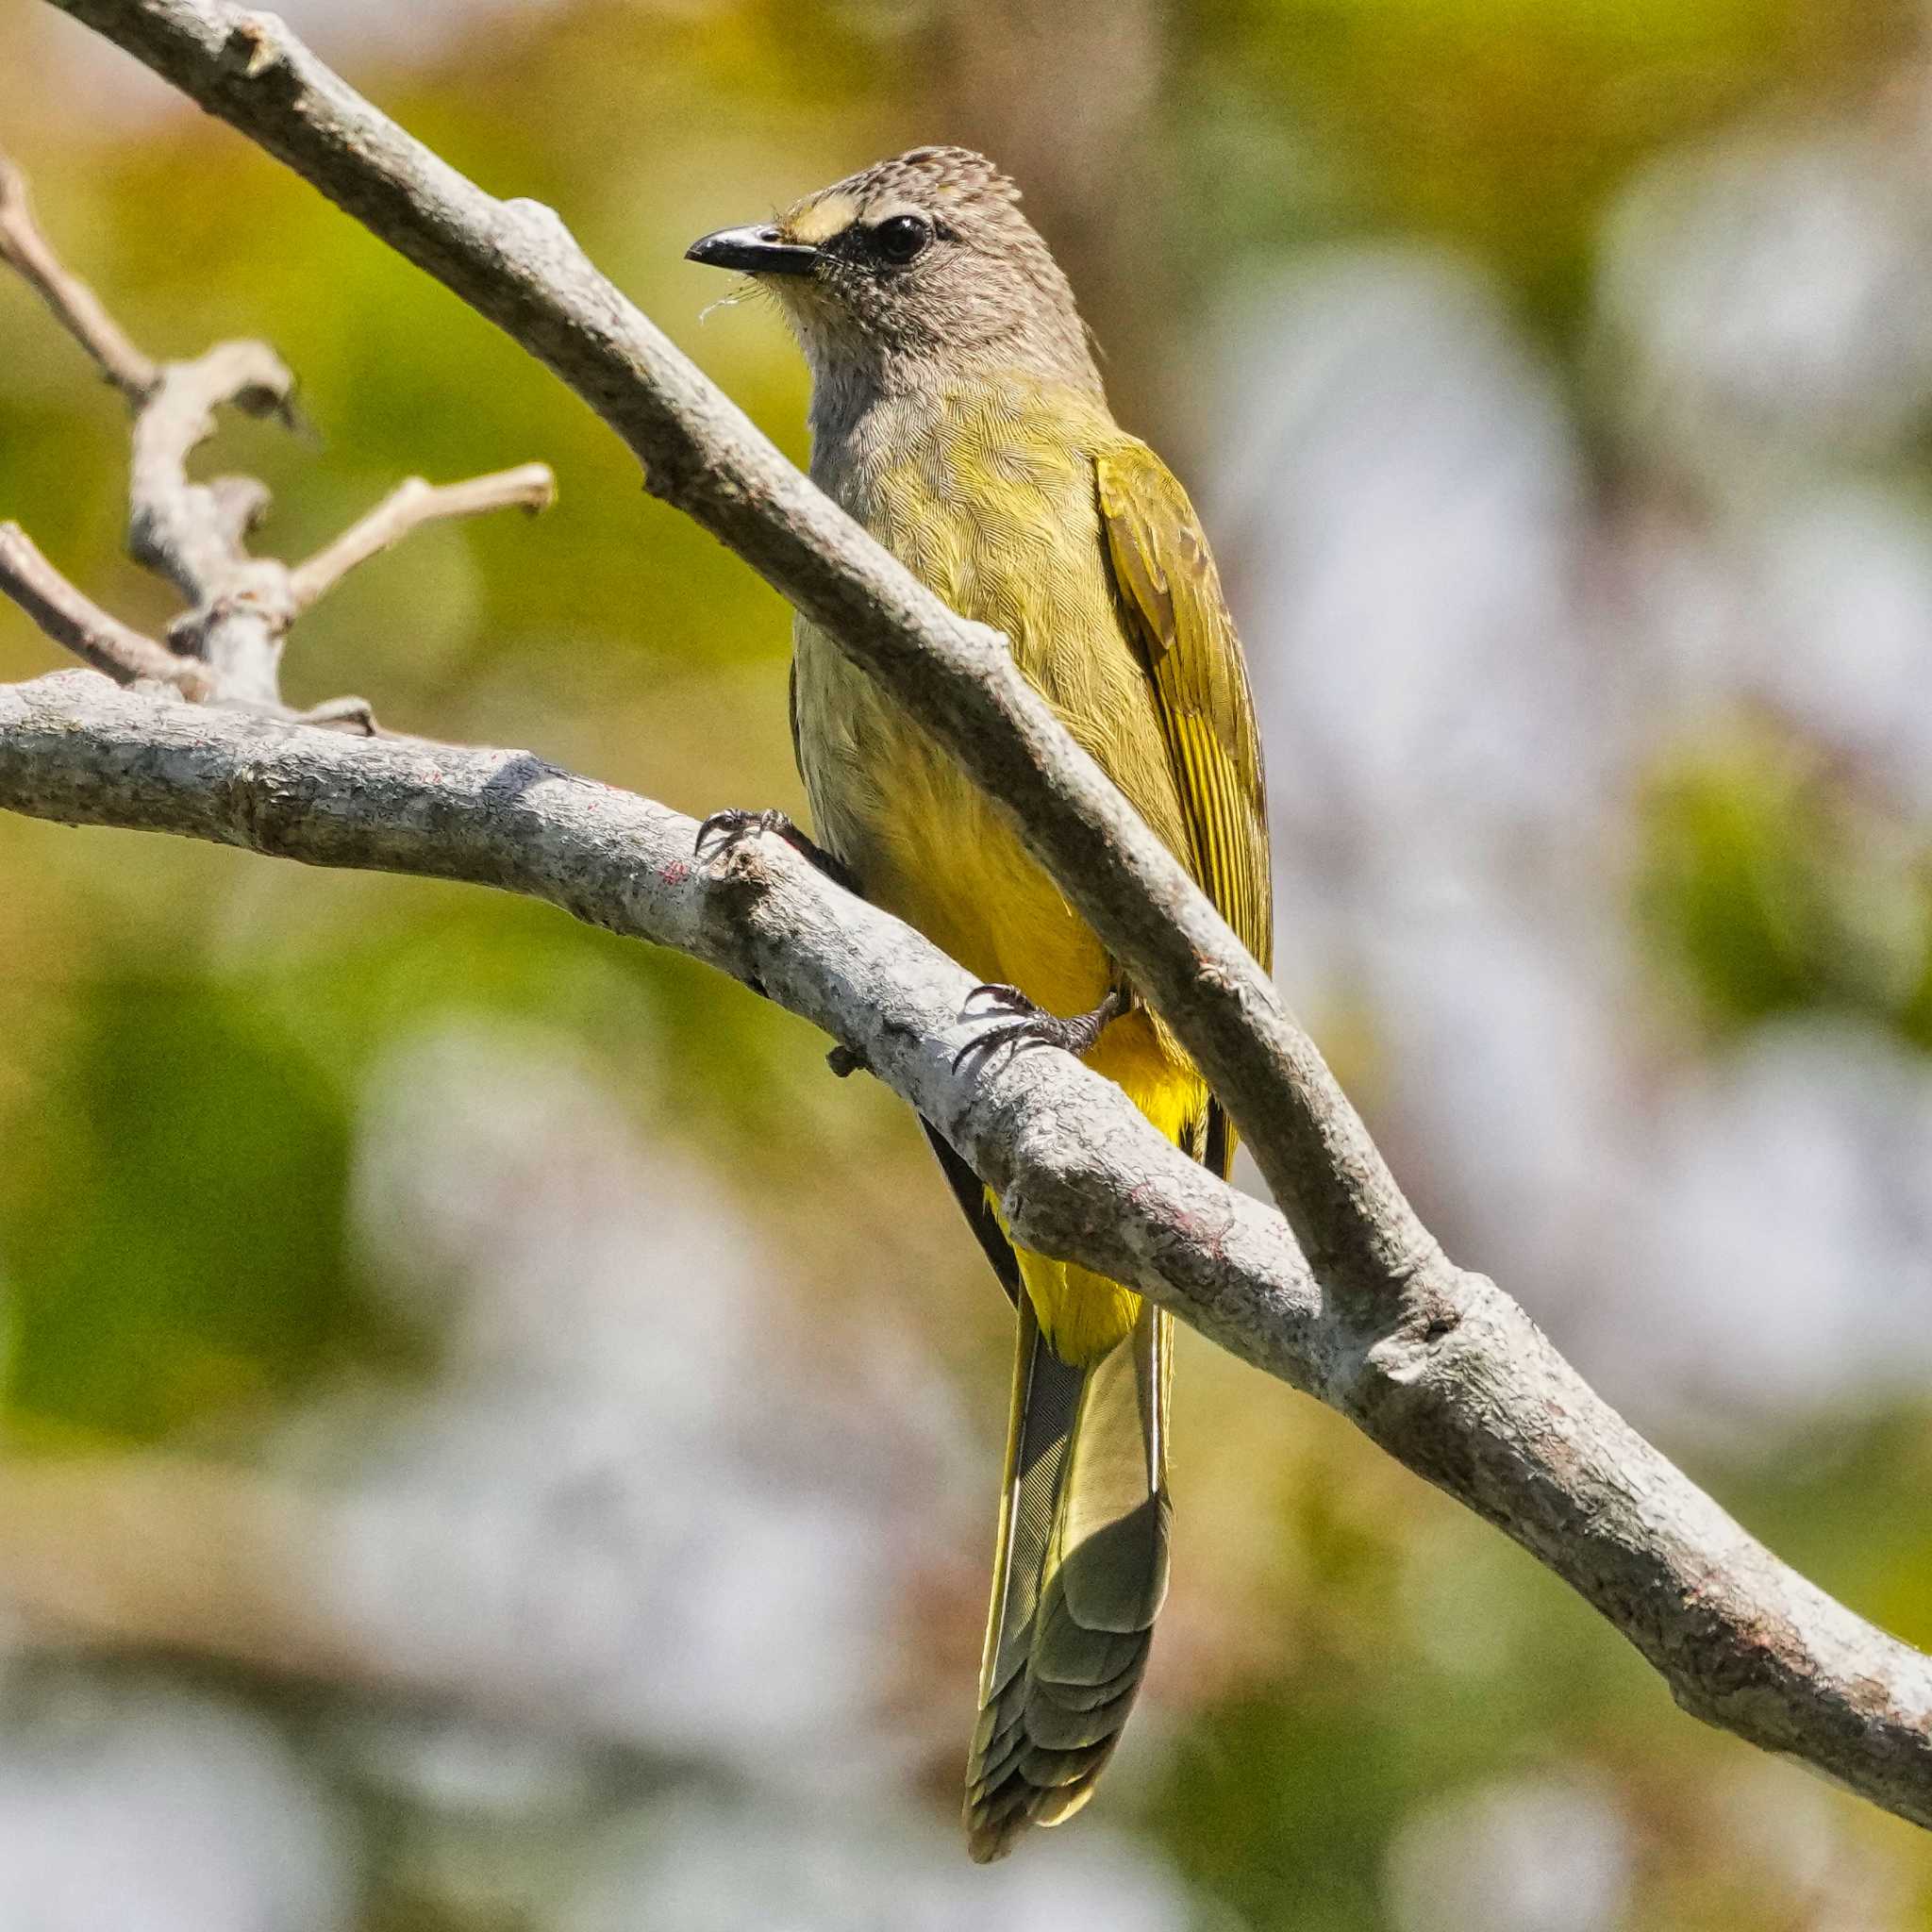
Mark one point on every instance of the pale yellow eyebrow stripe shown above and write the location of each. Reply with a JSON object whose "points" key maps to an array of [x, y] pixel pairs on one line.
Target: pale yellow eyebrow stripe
{"points": [[822, 219]]}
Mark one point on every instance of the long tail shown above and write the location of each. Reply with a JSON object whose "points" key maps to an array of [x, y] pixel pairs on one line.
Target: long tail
{"points": [[1078, 1576]]}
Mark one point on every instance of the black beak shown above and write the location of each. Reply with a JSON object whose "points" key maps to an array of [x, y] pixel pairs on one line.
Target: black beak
{"points": [[754, 251]]}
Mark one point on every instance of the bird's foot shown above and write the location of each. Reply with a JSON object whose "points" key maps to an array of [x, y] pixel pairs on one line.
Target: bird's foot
{"points": [[1016, 1025], [725, 830]]}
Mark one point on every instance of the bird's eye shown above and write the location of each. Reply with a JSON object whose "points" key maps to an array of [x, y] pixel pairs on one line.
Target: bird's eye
{"points": [[903, 239]]}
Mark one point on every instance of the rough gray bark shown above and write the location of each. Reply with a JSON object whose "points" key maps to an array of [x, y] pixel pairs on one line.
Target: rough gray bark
{"points": [[1434, 1363]]}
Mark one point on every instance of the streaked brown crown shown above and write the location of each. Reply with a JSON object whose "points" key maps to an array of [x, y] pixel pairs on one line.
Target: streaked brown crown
{"points": [[945, 175], [987, 294]]}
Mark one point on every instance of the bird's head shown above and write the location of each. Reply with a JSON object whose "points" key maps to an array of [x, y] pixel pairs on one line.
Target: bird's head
{"points": [[918, 267]]}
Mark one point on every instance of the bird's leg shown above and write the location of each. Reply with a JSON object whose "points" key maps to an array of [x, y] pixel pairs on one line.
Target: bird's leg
{"points": [[1023, 1024], [724, 830]]}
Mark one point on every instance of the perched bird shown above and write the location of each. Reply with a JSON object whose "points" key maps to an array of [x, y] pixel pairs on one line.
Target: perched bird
{"points": [[957, 415]]}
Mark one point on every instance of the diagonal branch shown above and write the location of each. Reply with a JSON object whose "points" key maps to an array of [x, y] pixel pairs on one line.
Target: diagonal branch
{"points": [[80, 311], [71, 618], [1491, 1413]]}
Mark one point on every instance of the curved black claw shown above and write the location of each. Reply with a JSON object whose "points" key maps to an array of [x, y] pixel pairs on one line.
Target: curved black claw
{"points": [[996, 996], [724, 830], [1028, 1025]]}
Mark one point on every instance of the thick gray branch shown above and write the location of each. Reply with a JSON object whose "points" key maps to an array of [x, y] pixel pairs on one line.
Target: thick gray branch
{"points": [[1479, 1403]]}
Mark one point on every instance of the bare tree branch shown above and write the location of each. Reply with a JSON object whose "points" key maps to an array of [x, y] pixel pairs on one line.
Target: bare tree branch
{"points": [[191, 533], [410, 505], [1435, 1364], [74, 620], [196, 534], [79, 309]]}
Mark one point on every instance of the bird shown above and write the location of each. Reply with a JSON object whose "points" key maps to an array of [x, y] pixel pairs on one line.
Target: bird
{"points": [[959, 414]]}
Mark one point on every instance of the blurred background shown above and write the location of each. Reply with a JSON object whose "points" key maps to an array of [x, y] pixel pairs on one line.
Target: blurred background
{"points": [[497, 1440]]}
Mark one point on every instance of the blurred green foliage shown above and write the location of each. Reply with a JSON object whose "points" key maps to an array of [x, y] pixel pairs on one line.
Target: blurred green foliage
{"points": [[1774, 889], [1501, 123], [169, 1262]]}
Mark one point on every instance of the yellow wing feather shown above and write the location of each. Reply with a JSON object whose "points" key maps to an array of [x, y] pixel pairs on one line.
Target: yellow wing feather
{"points": [[1193, 659]]}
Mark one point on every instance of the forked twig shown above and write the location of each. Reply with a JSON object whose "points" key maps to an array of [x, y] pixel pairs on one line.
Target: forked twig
{"points": [[226, 646]]}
